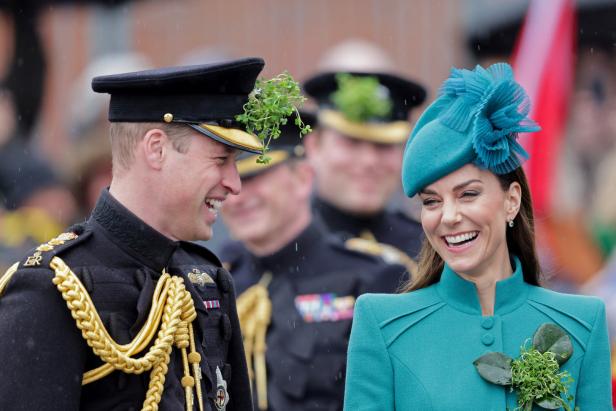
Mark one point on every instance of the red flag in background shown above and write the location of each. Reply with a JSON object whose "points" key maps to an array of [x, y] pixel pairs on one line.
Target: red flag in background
{"points": [[543, 63]]}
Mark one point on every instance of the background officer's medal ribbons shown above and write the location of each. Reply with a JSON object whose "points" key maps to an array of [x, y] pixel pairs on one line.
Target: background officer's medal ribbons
{"points": [[325, 307], [222, 395]]}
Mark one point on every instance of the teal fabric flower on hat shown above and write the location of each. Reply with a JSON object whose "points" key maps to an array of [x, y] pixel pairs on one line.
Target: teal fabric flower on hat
{"points": [[477, 118]]}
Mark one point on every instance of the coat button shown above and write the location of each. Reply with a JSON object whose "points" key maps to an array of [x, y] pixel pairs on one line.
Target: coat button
{"points": [[487, 323], [487, 339]]}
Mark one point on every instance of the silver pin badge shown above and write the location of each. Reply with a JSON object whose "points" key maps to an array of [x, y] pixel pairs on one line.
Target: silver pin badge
{"points": [[222, 395]]}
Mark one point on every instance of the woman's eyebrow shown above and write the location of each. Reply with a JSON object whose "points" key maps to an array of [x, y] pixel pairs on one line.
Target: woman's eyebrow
{"points": [[466, 183], [456, 188]]}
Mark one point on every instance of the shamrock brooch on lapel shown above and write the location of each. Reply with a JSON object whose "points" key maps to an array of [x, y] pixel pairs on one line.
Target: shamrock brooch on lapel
{"points": [[535, 374]]}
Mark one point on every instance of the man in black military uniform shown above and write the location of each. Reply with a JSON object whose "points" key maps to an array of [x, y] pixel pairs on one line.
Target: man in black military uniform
{"points": [[123, 311], [356, 151], [298, 283]]}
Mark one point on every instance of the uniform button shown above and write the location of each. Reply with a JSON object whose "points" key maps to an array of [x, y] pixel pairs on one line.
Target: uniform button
{"points": [[223, 280], [487, 323], [487, 339]]}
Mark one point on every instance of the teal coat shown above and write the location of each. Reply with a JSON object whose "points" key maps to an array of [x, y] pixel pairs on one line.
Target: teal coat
{"points": [[415, 351]]}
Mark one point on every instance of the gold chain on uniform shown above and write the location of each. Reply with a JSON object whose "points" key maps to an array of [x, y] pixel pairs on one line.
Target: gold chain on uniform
{"points": [[170, 318], [254, 310]]}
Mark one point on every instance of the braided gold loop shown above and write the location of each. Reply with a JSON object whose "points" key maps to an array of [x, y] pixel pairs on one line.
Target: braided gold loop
{"points": [[92, 329], [188, 382], [255, 312], [263, 314], [195, 359], [169, 325], [172, 314], [145, 335]]}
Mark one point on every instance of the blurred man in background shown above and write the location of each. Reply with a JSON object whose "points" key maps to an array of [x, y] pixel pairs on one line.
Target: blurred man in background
{"points": [[297, 284], [356, 150]]}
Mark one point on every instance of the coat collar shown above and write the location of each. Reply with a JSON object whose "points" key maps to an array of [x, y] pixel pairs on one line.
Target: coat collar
{"points": [[130, 233], [462, 294]]}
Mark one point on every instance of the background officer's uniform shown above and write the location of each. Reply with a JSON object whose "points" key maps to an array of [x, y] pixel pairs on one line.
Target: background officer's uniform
{"points": [[119, 259], [314, 282]]}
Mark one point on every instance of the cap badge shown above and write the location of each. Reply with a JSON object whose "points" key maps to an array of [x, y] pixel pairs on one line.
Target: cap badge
{"points": [[168, 118]]}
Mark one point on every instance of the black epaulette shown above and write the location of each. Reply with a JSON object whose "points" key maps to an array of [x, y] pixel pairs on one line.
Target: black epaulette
{"points": [[41, 256], [231, 254]]}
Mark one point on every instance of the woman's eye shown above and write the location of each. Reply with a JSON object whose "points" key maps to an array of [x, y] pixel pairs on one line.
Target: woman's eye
{"points": [[470, 194], [428, 201]]}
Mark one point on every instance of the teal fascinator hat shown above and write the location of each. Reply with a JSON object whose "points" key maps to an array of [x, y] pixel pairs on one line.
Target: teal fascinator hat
{"points": [[476, 119]]}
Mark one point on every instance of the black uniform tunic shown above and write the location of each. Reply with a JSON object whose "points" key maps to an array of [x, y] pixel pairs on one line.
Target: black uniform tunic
{"points": [[307, 339], [390, 227], [119, 260]]}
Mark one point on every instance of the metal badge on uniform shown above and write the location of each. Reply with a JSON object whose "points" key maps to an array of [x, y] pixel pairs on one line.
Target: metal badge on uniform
{"points": [[199, 277], [325, 307], [222, 395]]}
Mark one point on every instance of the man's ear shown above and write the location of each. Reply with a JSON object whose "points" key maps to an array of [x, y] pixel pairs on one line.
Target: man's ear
{"points": [[513, 200], [154, 146]]}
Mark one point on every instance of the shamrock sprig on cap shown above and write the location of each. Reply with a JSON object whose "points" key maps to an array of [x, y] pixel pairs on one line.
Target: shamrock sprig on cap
{"points": [[269, 106], [535, 374], [361, 98]]}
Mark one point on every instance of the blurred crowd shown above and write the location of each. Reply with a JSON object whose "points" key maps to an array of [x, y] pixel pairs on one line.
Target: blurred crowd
{"points": [[40, 196]]}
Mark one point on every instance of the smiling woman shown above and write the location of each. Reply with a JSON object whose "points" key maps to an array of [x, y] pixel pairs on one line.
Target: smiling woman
{"points": [[520, 240], [451, 340]]}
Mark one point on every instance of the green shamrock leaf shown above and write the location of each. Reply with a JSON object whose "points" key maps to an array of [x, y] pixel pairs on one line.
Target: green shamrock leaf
{"points": [[535, 374], [494, 367], [552, 338], [360, 98], [550, 403], [269, 105]]}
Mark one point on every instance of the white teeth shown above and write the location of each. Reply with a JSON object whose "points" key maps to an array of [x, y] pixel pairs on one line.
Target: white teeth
{"points": [[214, 205], [455, 239]]}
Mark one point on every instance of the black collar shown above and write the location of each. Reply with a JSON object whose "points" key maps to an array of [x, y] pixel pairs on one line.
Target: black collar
{"points": [[292, 256], [131, 234], [342, 222]]}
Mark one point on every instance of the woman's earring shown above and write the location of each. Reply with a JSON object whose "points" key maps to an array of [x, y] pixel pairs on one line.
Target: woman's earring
{"points": [[510, 223]]}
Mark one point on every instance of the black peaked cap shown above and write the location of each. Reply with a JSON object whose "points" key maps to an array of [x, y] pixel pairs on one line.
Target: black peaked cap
{"points": [[404, 94], [192, 94]]}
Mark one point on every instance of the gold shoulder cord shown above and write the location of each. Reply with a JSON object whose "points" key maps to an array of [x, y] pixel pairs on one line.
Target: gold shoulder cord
{"points": [[368, 244], [254, 310], [4, 280], [171, 318]]}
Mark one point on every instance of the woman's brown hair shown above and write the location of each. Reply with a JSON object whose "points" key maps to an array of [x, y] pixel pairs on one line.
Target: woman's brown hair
{"points": [[520, 241]]}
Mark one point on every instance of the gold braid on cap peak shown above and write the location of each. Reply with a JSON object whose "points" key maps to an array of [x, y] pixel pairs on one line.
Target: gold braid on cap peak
{"points": [[254, 309], [170, 318]]}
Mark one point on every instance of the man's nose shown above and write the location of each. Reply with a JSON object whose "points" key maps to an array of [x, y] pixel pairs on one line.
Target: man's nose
{"points": [[231, 179]]}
